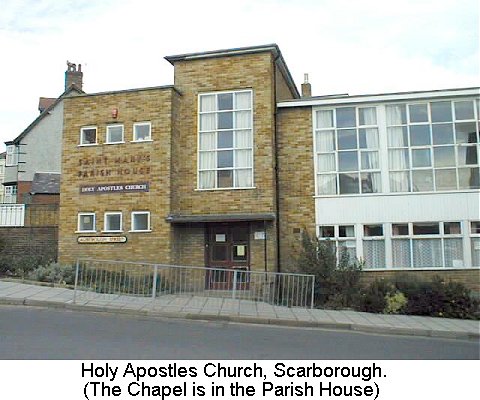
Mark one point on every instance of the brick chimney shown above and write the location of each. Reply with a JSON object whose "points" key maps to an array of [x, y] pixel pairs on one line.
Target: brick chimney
{"points": [[73, 76], [306, 87]]}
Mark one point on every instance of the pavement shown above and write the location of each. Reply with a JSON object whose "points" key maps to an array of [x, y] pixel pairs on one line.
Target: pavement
{"points": [[232, 310]]}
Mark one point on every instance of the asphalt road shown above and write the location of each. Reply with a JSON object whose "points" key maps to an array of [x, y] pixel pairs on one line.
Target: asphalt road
{"points": [[41, 333]]}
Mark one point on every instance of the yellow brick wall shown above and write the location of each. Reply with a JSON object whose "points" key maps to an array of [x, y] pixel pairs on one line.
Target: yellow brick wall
{"points": [[192, 77], [296, 181], [152, 165]]}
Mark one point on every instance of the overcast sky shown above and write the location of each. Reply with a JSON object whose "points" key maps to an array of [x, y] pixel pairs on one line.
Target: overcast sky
{"points": [[346, 46]]}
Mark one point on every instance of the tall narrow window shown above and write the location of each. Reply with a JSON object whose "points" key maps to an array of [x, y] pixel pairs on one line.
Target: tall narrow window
{"points": [[12, 156], [374, 246], [225, 140], [346, 147]]}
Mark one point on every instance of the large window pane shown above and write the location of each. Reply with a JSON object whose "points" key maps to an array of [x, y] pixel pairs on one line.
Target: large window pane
{"points": [[207, 122], [243, 158], [466, 132], [396, 115], [348, 161], [243, 139], [326, 163], [398, 136], [367, 116], [418, 112], [453, 253], [243, 100], [345, 117], [368, 138], [327, 184], [207, 103], [419, 135], [370, 182], [225, 140], [441, 111], [225, 101], [399, 182], [444, 156], [347, 139], [422, 181], [207, 141], [207, 160], [398, 159], [243, 178], [348, 183], [421, 158], [445, 179], [325, 141], [467, 155], [369, 160], [225, 120], [225, 178], [427, 253], [325, 119], [464, 110], [442, 133], [468, 178], [401, 253], [243, 119], [225, 159], [374, 253]]}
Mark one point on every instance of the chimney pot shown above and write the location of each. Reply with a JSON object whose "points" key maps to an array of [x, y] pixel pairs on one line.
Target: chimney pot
{"points": [[306, 87], [73, 76]]}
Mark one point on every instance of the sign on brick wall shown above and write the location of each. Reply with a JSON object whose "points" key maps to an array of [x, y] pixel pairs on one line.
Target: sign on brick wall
{"points": [[115, 188]]}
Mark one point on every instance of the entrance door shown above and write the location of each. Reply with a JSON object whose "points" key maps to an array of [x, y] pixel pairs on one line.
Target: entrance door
{"points": [[227, 252]]}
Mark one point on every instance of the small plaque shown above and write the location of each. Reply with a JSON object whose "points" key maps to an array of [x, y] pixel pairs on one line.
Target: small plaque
{"points": [[220, 237], [101, 239], [260, 235]]}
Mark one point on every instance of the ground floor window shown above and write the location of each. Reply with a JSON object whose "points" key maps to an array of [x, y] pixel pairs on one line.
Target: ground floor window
{"points": [[408, 245]]}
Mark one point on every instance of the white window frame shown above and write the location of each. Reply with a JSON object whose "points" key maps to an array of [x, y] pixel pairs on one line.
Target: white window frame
{"points": [[234, 148], [106, 216], [10, 194], [84, 128], [135, 213], [359, 171], [137, 124], [441, 236], [340, 241], [474, 239], [107, 134], [11, 158], [83, 214]]}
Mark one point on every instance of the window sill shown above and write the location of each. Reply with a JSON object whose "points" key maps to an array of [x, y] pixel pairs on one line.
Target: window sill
{"points": [[142, 141], [88, 145], [223, 189], [114, 143], [85, 231], [112, 232], [141, 231]]}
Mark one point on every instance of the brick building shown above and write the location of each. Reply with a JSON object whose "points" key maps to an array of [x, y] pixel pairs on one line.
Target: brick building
{"points": [[227, 166]]}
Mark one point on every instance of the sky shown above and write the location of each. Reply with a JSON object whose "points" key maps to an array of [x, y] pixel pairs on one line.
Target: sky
{"points": [[346, 46]]}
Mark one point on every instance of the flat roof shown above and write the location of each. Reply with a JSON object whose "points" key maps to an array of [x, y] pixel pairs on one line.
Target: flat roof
{"points": [[185, 219], [381, 97], [237, 51]]}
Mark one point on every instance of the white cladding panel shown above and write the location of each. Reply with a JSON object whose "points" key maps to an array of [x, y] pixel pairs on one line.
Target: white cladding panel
{"points": [[397, 208]]}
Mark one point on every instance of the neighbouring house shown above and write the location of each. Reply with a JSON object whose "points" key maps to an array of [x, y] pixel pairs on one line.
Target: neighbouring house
{"points": [[2, 175], [38, 148], [226, 167]]}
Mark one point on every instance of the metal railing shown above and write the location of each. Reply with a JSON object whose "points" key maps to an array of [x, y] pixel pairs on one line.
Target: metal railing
{"points": [[12, 215], [94, 278]]}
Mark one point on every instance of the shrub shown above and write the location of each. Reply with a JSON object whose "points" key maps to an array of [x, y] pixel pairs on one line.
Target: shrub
{"points": [[54, 273], [395, 302], [335, 285], [374, 297]]}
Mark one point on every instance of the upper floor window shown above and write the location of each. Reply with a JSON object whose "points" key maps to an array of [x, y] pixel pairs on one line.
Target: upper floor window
{"points": [[140, 221], [12, 156], [88, 135], [347, 151], [10, 194], [433, 146], [225, 140], [114, 134], [142, 131]]}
